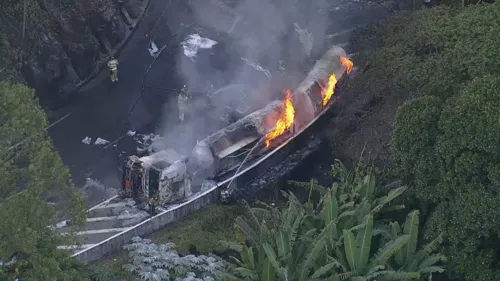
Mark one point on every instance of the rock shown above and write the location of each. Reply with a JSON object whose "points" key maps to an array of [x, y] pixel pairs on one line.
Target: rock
{"points": [[67, 43]]}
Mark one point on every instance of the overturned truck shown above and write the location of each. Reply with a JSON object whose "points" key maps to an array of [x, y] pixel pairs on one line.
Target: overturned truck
{"points": [[224, 157]]}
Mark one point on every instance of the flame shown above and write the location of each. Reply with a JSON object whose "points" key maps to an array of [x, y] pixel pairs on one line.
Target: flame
{"points": [[329, 90], [285, 121], [347, 63]]}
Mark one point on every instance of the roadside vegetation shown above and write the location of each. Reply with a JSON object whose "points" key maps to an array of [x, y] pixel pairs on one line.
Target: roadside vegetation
{"points": [[445, 64], [35, 192], [436, 69]]}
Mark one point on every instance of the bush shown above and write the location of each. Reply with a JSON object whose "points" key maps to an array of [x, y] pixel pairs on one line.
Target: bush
{"points": [[160, 262], [447, 135]]}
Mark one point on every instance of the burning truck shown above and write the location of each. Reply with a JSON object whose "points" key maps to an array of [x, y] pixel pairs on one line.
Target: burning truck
{"points": [[234, 152]]}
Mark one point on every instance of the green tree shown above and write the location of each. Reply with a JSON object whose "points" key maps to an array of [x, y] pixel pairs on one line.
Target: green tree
{"points": [[456, 168], [35, 191], [446, 135], [443, 64]]}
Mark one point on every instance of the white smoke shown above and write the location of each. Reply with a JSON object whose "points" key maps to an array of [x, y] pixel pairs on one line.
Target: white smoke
{"points": [[195, 42], [262, 43]]}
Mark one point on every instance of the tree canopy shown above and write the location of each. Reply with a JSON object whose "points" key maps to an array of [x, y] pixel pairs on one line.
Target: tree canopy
{"points": [[35, 191], [445, 63]]}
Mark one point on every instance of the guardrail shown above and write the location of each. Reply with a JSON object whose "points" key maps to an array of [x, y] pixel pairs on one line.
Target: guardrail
{"points": [[116, 242]]}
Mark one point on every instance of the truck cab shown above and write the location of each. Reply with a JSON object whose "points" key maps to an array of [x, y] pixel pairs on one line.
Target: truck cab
{"points": [[158, 179]]}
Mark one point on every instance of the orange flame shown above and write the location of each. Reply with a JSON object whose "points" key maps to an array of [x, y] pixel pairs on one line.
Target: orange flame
{"points": [[329, 90], [347, 63], [285, 121]]}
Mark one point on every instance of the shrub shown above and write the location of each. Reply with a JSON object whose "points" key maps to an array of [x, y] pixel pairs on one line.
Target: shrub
{"points": [[446, 137], [160, 262]]}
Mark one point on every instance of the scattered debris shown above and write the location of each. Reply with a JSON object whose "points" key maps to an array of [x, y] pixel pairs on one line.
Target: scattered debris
{"points": [[153, 51], [257, 67], [61, 224], [195, 42], [86, 140], [100, 141], [131, 133]]}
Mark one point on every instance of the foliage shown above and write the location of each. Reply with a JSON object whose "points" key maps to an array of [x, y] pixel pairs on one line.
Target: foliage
{"points": [[336, 237], [446, 135], [160, 262], [197, 233], [36, 190], [200, 231], [408, 258]]}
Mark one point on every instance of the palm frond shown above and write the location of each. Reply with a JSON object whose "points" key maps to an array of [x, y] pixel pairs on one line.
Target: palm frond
{"points": [[249, 233], [364, 242], [368, 186], [388, 209], [375, 269], [383, 233], [395, 275], [230, 245], [347, 205], [423, 253], [388, 250], [322, 271], [350, 249], [432, 269], [431, 260], [330, 208], [282, 243], [268, 271], [395, 232], [310, 258], [411, 229], [271, 256], [311, 185], [252, 221]]}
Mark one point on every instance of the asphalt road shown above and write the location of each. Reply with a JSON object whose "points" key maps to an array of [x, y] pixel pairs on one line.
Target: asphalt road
{"points": [[108, 111]]}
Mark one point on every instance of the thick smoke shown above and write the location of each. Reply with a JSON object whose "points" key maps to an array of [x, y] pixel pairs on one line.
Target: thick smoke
{"points": [[263, 47]]}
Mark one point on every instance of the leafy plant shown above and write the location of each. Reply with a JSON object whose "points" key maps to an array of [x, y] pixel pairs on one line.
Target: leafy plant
{"points": [[441, 66], [334, 237], [423, 261], [35, 191], [160, 262]]}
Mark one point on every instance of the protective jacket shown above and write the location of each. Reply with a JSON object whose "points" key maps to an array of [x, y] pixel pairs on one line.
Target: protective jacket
{"points": [[113, 68]]}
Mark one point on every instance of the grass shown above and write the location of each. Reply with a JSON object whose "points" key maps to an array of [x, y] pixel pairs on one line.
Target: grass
{"points": [[197, 233], [201, 231]]}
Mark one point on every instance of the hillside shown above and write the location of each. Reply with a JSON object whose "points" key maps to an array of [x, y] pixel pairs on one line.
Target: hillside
{"points": [[54, 45]]}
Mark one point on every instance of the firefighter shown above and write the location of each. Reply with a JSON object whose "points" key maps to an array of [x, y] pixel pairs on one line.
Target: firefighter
{"points": [[113, 69], [153, 203], [182, 102]]}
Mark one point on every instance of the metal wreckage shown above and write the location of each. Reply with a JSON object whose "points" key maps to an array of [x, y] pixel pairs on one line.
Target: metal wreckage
{"points": [[239, 152]]}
